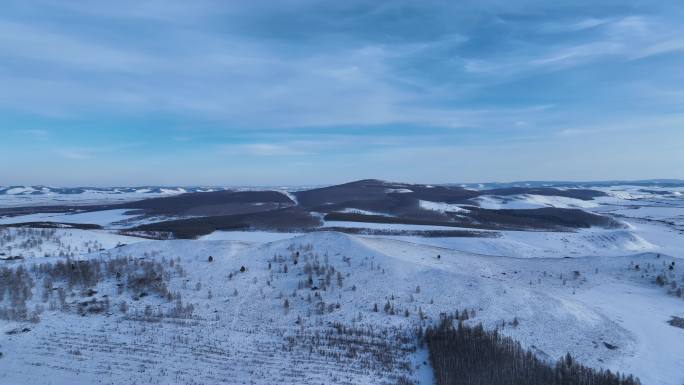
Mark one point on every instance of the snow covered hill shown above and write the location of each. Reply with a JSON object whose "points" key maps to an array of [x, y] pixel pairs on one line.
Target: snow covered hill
{"points": [[264, 307], [12, 196], [281, 318]]}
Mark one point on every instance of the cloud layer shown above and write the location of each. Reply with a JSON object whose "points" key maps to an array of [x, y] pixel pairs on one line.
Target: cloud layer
{"points": [[286, 91]]}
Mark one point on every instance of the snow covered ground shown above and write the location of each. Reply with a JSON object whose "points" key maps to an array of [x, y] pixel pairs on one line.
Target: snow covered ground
{"points": [[544, 244], [248, 236], [107, 219], [388, 226], [103, 218], [441, 207], [363, 212], [595, 308], [34, 243], [45, 196], [644, 312], [531, 201], [16, 196], [592, 293]]}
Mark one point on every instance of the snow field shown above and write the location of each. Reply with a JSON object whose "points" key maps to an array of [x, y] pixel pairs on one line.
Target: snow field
{"points": [[244, 328]]}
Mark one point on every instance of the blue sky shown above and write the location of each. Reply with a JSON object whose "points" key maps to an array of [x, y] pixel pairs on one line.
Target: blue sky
{"points": [[308, 92]]}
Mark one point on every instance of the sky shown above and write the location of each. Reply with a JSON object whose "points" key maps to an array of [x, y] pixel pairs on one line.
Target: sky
{"points": [[295, 92]]}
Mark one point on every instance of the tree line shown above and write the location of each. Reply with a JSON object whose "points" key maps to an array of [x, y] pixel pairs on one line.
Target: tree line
{"points": [[470, 355]]}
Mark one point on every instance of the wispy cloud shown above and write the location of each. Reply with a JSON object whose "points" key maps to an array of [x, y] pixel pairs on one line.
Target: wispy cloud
{"points": [[573, 26], [659, 48], [305, 81], [35, 133], [92, 152], [46, 45], [74, 154], [269, 149], [619, 38]]}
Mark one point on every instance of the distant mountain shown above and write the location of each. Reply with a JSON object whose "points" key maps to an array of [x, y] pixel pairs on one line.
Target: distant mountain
{"points": [[147, 190], [566, 184], [367, 185], [192, 211], [373, 201]]}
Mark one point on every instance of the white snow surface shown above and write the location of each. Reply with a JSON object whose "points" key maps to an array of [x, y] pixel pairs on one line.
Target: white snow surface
{"points": [[20, 190], [233, 338], [571, 292], [102, 218], [399, 190], [441, 207], [350, 210], [31, 196], [386, 226], [544, 244], [34, 243], [531, 201], [290, 195], [248, 236]]}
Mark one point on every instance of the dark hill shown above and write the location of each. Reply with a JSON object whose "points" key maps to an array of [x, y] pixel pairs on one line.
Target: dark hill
{"points": [[289, 219], [368, 200], [377, 190], [212, 203], [583, 194]]}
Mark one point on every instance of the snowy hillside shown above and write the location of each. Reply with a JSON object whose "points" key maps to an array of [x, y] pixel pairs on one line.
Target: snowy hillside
{"points": [[318, 306], [275, 321], [11, 196]]}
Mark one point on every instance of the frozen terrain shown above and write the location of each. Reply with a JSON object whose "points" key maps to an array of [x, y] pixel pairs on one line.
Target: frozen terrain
{"points": [[14, 196], [29, 243], [304, 308], [11, 196], [531, 201], [101, 218]]}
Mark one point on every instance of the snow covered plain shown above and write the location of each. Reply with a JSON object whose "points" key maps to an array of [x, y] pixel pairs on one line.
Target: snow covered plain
{"points": [[242, 331], [101, 218], [43, 196], [107, 219], [15, 196], [531, 201], [592, 293]]}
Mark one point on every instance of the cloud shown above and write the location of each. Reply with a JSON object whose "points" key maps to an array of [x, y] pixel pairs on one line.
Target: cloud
{"points": [[659, 48], [585, 42], [92, 152], [573, 26], [577, 54], [268, 149], [353, 78], [54, 47], [577, 132], [74, 154], [309, 80], [286, 149], [35, 133]]}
